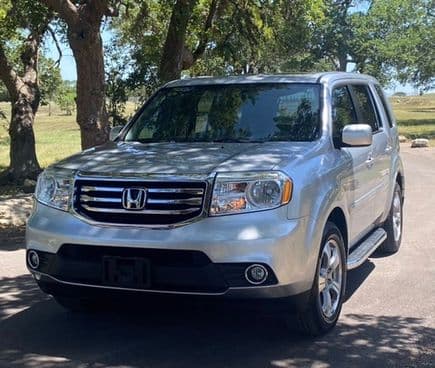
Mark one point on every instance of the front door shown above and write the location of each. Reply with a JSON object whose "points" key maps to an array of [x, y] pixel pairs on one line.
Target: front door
{"points": [[357, 183]]}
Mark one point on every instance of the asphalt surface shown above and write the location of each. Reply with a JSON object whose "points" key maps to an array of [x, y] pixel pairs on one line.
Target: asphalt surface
{"points": [[388, 319]]}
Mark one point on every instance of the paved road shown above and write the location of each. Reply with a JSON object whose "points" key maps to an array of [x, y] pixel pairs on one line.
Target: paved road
{"points": [[387, 321]]}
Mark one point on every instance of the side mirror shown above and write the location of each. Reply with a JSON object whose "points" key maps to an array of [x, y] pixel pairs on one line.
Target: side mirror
{"points": [[357, 135], [114, 132]]}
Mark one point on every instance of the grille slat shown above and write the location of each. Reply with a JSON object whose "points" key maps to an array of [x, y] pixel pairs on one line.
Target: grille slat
{"points": [[167, 203], [86, 188], [192, 191], [86, 198], [139, 212], [189, 201]]}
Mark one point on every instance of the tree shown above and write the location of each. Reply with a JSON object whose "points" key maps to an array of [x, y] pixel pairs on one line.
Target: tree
{"points": [[22, 26], [163, 40], [66, 97], [83, 19], [393, 41], [50, 80], [333, 34], [385, 38]]}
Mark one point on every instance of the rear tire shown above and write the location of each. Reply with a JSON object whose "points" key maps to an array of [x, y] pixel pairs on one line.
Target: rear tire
{"points": [[327, 293], [394, 224]]}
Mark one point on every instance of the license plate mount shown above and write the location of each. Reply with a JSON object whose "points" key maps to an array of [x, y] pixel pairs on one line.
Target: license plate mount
{"points": [[126, 272]]}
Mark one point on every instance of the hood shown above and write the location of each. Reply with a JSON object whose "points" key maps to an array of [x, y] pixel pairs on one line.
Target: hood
{"points": [[184, 158]]}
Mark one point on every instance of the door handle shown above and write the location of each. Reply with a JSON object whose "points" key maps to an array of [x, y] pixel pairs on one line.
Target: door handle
{"points": [[388, 149], [369, 161]]}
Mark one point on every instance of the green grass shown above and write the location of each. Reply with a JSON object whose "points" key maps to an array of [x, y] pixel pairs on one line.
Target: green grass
{"points": [[58, 136], [415, 116]]}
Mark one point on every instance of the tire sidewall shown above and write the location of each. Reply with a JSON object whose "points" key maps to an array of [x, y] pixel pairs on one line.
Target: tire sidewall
{"points": [[331, 232], [399, 241]]}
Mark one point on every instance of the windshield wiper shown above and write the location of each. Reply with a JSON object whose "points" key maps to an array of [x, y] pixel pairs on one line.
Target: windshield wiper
{"points": [[237, 140], [221, 140]]}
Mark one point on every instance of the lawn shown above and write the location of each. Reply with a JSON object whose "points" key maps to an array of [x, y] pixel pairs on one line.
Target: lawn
{"points": [[58, 136], [415, 116]]}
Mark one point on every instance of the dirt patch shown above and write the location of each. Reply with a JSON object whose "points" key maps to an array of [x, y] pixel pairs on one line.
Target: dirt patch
{"points": [[14, 210]]}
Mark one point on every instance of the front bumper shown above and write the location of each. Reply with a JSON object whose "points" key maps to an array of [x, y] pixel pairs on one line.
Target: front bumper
{"points": [[268, 238]]}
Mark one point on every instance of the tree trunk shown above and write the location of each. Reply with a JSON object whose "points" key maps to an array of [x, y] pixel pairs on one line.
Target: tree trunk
{"points": [[174, 50], [23, 161], [92, 117], [342, 63], [25, 97]]}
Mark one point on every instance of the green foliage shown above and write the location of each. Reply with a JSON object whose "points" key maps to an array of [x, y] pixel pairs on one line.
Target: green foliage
{"points": [[66, 97], [245, 37], [50, 80], [17, 16], [391, 41]]}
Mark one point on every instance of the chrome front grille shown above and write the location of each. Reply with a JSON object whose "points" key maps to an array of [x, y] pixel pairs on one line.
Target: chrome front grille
{"points": [[165, 203]]}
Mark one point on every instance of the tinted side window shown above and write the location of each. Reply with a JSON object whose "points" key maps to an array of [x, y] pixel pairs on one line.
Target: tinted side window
{"points": [[384, 104], [343, 111], [364, 105]]}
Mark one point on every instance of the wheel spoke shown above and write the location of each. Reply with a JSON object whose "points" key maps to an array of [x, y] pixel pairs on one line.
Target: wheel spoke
{"points": [[334, 261], [326, 255], [327, 303], [336, 288], [322, 279]]}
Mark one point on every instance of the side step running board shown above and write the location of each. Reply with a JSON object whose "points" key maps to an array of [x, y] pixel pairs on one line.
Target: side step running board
{"points": [[363, 251]]}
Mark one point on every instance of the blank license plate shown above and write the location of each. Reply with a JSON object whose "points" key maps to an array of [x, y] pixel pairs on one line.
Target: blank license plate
{"points": [[126, 272]]}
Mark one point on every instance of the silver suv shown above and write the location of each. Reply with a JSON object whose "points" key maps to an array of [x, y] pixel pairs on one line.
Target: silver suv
{"points": [[254, 187]]}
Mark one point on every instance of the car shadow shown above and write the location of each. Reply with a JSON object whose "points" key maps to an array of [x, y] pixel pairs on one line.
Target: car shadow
{"points": [[178, 334], [356, 277], [12, 238]]}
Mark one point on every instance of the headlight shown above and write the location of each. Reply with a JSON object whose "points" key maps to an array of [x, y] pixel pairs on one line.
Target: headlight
{"points": [[54, 188], [248, 192]]}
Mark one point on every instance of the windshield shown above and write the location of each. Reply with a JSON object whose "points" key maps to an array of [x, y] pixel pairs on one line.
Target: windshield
{"points": [[230, 113]]}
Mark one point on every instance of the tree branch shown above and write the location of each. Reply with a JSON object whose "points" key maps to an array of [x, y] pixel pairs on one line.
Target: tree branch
{"points": [[56, 42], [199, 51], [7, 73], [102, 7], [66, 9]]}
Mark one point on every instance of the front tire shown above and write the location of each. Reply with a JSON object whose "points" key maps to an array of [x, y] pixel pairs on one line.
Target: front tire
{"points": [[327, 293], [394, 224]]}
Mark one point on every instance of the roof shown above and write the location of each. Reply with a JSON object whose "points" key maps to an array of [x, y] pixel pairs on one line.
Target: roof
{"points": [[325, 77]]}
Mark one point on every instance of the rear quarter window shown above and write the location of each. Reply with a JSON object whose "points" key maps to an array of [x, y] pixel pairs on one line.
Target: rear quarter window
{"points": [[364, 104], [385, 105]]}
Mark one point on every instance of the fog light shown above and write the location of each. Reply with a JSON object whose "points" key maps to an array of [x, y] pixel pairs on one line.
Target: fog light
{"points": [[33, 259], [256, 274]]}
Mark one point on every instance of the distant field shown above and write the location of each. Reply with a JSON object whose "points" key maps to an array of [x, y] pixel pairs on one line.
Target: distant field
{"points": [[415, 116], [58, 136]]}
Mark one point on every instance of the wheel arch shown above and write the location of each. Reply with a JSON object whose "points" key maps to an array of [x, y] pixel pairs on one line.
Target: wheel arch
{"points": [[338, 217]]}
